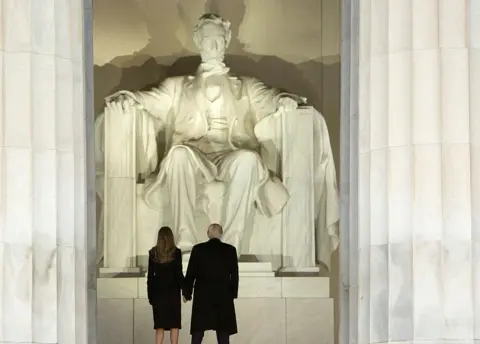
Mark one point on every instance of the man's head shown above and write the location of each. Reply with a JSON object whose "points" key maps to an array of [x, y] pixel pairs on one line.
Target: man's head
{"points": [[212, 35], [214, 231]]}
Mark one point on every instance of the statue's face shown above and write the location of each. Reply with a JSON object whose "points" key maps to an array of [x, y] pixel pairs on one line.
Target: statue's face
{"points": [[212, 45]]}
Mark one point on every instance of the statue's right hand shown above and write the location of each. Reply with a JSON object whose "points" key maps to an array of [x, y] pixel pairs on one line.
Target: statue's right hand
{"points": [[124, 99]]}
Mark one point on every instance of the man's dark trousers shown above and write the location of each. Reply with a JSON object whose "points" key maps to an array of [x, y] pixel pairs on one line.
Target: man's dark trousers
{"points": [[222, 338]]}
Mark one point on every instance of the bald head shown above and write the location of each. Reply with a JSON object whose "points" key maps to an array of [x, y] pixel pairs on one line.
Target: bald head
{"points": [[214, 231]]}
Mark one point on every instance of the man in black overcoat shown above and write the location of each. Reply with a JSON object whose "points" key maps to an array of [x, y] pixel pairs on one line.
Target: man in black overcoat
{"points": [[213, 273]]}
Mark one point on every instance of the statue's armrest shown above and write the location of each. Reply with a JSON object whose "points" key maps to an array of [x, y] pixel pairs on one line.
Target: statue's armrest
{"points": [[298, 215]]}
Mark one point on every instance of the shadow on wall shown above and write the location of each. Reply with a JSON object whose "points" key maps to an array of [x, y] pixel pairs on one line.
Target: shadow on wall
{"points": [[270, 69]]}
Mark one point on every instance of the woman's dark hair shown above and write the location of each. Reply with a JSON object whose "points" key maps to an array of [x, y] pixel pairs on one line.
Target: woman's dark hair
{"points": [[164, 251]]}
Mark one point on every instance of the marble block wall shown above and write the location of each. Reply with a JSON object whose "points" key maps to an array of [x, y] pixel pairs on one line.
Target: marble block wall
{"points": [[280, 310]]}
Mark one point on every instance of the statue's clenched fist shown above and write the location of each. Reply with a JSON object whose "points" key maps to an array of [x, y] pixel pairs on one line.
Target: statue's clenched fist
{"points": [[124, 99], [287, 104]]}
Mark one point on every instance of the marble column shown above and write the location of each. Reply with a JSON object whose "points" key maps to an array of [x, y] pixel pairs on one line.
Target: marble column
{"points": [[417, 252], [47, 291]]}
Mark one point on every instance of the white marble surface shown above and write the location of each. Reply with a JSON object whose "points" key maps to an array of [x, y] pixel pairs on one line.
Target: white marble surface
{"points": [[305, 287], [298, 215], [115, 319], [120, 235], [264, 287], [411, 268], [119, 195], [309, 321], [44, 199], [263, 242], [473, 36], [119, 288], [269, 310]]}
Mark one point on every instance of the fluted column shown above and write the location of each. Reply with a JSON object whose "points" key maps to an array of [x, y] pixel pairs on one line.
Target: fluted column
{"points": [[418, 172], [473, 37], [46, 291]]}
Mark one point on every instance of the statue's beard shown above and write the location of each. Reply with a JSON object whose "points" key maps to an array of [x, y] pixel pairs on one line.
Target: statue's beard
{"points": [[215, 57], [212, 68]]}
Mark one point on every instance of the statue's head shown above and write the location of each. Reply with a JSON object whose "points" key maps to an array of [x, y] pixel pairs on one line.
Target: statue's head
{"points": [[211, 36]]}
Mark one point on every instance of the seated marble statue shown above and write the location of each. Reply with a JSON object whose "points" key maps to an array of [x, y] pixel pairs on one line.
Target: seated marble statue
{"points": [[211, 127]]}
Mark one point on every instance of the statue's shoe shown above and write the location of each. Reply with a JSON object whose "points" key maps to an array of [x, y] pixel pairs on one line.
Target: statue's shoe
{"points": [[185, 241]]}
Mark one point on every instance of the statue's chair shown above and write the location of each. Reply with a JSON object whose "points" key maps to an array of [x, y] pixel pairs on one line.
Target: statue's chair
{"points": [[286, 239]]}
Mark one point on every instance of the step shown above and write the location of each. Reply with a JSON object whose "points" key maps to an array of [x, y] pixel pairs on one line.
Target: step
{"points": [[240, 273], [249, 287], [246, 266], [253, 269], [250, 273]]}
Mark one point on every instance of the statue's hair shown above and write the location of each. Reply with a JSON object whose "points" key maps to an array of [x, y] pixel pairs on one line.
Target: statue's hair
{"points": [[211, 18]]}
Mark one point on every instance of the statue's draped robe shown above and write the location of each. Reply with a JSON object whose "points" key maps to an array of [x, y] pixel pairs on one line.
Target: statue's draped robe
{"points": [[170, 114]]}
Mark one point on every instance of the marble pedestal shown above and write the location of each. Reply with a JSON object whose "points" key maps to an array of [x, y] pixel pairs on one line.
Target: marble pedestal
{"points": [[277, 310]]}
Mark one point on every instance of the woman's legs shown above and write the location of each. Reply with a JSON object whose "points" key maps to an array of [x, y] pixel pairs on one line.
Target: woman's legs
{"points": [[159, 334], [174, 336]]}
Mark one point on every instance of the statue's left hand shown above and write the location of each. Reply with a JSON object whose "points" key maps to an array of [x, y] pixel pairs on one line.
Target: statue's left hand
{"points": [[287, 105]]}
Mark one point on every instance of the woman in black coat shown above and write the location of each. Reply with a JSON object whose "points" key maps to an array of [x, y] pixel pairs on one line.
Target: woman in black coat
{"points": [[164, 285]]}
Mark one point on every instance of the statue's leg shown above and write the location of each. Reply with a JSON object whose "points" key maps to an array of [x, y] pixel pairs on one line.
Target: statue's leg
{"points": [[181, 180], [241, 171]]}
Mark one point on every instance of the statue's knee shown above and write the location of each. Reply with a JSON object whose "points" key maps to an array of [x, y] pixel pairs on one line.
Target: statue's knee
{"points": [[248, 158], [179, 154]]}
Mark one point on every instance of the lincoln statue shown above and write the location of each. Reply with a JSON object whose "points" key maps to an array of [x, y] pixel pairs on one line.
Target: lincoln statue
{"points": [[212, 125]]}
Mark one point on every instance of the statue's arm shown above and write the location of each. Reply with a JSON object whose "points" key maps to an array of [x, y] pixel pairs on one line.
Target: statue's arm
{"points": [[159, 100], [155, 104], [266, 100], [156, 101]]}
